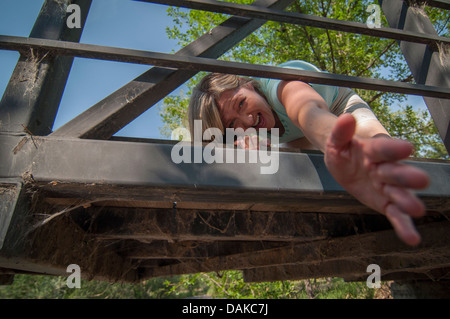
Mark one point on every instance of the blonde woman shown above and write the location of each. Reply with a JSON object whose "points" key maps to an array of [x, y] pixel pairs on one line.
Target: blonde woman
{"points": [[331, 119]]}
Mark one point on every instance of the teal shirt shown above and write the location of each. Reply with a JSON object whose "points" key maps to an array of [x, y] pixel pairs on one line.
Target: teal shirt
{"points": [[269, 88]]}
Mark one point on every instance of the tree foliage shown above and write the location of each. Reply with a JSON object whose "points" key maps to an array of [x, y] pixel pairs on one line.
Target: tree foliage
{"points": [[228, 285], [274, 43], [332, 51]]}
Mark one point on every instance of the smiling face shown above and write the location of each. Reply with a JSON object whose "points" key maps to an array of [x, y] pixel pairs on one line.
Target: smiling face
{"points": [[244, 107], [229, 101]]}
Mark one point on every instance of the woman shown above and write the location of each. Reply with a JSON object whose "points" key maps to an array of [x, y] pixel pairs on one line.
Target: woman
{"points": [[333, 120]]}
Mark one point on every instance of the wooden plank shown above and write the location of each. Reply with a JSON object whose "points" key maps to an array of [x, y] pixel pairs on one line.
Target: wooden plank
{"points": [[414, 262], [203, 200], [182, 250], [210, 225], [50, 247], [433, 273], [363, 246], [305, 203]]}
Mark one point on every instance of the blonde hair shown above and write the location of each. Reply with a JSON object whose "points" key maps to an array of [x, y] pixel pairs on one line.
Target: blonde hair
{"points": [[203, 102]]}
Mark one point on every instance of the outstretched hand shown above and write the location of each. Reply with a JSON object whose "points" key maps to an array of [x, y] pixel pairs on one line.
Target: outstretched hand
{"points": [[251, 142], [369, 169]]}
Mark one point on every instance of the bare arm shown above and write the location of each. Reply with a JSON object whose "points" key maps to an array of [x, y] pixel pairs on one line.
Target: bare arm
{"points": [[368, 168], [307, 110]]}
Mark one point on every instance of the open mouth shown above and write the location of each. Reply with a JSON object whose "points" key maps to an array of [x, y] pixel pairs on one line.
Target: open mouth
{"points": [[259, 122]]}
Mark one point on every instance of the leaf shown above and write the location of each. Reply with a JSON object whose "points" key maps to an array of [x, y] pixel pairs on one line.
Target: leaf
{"points": [[339, 52]]}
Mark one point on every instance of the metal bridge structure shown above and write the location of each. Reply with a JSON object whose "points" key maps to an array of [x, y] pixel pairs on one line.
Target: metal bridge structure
{"points": [[122, 210]]}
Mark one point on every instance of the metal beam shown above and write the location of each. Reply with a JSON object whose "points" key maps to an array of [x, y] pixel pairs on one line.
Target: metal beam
{"points": [[126, 163], [147, 171], [442, 4], [10, 196], [32, 97], [303, 19], [108, 116], [212, 65], [427, 66]]}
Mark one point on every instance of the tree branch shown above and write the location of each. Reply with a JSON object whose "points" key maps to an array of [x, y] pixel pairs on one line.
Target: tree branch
{"points": [[371, 64], [409, 78], [325, 14], [310, 41]]}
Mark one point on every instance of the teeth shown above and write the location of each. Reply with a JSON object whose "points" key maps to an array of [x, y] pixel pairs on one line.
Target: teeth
{"points": [[257, 121]]}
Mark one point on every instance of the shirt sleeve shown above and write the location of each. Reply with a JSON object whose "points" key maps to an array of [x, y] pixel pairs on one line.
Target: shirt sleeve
{"points": [[269, 88]]}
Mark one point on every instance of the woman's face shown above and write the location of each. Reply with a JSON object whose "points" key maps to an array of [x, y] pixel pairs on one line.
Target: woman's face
{"points": [[244, 108]]}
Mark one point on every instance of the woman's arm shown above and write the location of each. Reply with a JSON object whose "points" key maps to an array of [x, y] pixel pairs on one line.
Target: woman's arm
{"points": [[307, 110], [368, 168]]}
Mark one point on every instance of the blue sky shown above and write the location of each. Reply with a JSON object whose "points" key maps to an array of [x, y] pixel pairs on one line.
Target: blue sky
{"points": [[117, 23]]}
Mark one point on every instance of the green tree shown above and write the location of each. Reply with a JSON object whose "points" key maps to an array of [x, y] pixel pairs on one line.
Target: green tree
{"points": [[229, 284], [336, 52], [332, 51]]}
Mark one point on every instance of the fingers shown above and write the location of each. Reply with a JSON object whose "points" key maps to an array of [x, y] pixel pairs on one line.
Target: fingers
{"points": [[343, 131], [397, 180], [403, 205], [391, 180], [401, 175], [403, 225], [248, 142], [405, 200], [387, 150], [251, 142]]}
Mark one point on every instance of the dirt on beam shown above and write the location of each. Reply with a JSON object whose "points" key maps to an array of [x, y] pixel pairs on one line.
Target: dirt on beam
{"points": [[174, 225], [50, 247], [310, 254]]}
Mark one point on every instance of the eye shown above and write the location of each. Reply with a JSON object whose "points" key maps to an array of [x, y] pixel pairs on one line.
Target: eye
{"points": [[241, 103]]}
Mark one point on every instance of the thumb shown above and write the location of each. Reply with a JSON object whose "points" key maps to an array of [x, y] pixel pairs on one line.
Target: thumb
{"points": [[343, 131]]}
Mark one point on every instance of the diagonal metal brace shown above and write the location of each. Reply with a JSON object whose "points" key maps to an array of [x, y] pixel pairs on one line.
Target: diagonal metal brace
{"points": [[108, 116], [428, 67], [32, 97]]}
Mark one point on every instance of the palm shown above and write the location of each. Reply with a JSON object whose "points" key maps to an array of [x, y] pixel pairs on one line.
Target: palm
{"points": [[369, 169]]}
